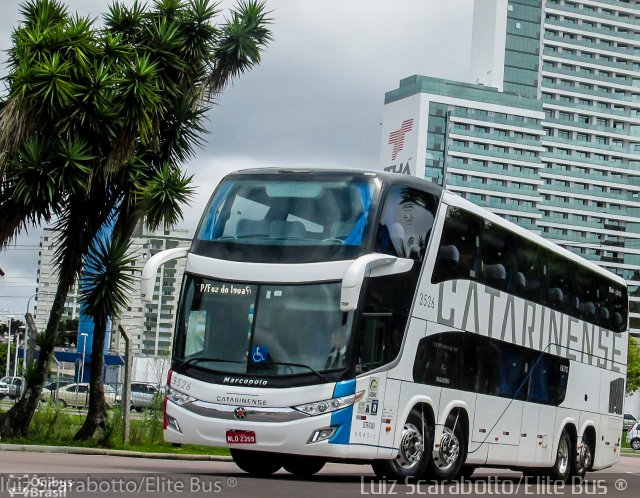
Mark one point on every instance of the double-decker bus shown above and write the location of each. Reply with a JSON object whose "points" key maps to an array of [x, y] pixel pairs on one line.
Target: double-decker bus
{"points": [[352, 316]]}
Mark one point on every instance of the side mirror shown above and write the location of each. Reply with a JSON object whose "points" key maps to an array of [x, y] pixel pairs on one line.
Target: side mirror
{"points": [[368, 265], [148, 280]]}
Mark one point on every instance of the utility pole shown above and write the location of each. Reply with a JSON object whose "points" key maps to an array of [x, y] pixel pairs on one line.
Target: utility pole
{"points": [[125, 399]]}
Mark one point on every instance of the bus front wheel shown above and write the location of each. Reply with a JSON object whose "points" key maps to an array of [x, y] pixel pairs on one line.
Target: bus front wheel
{"points": [[257, 463], [413, 455]]}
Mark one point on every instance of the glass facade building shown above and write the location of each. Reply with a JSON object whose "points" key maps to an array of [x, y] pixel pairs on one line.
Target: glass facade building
{"points": [[558, 149]]}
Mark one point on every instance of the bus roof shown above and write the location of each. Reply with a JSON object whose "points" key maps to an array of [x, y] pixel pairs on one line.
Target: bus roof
{"points": [[446, 196], [387, 178]]}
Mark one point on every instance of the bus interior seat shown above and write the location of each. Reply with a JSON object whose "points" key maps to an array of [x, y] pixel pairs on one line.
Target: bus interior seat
{"points": [[555, 295], [617, 321], [587, 309], [604, 313], [252, 228], [446, 263], [520, 281], [449, 254], [280, 229], [341, 230], [495, 275]]}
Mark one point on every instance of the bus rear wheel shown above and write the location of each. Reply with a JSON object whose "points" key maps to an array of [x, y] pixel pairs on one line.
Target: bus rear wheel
{"points": [[451, 454], [256, 463], [414, 453], [583, 459], [301, 466], [562, 468]]}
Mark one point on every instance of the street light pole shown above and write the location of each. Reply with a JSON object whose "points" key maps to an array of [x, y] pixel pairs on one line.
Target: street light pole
{"points": [[26, 335], [15, 357], [9, 339], [84, 347]]}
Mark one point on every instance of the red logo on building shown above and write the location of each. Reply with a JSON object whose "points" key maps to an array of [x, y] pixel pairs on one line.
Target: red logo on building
{"points": [[396, 138]]}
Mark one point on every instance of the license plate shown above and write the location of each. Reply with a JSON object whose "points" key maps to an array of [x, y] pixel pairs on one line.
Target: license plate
{"points": [[241, 437]]}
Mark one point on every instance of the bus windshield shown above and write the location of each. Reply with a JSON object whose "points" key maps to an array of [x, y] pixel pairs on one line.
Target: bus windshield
{"points": [[267, 330], [300, 218]]}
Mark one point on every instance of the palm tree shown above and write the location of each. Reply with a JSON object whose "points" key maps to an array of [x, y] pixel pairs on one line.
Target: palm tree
{"points": [[105, 285], [97, 123]]}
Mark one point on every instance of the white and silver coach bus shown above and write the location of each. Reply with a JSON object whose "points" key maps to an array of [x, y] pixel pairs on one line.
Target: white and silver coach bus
{"points": [[352, 316]]}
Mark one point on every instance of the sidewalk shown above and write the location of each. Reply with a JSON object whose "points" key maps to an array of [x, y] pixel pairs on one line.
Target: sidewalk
{"points": [[74, 450]]}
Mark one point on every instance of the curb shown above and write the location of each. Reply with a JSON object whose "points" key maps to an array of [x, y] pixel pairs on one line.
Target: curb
{"points": [[78, 450]]}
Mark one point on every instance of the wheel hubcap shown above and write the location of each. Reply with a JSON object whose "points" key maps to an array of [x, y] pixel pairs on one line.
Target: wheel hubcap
{"points": [[584, 457], [411, 447], [563, 456], [449, 449]]}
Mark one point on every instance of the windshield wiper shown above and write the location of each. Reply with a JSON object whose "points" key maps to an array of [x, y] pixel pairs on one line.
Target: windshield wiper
{"points": [[288, 364], [198, 359]]}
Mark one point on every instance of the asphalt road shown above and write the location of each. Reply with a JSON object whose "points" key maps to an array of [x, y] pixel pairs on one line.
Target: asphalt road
{"points": [[106, 476]]}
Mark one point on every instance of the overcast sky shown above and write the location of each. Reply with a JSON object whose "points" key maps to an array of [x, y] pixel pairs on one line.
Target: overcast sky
{"points": [[315, 100]]}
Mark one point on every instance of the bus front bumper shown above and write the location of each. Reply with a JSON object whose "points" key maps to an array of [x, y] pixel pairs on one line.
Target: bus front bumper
{"points": [[281, 430]]}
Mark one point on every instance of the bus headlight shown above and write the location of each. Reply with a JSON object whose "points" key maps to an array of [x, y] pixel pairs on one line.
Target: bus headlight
{"points": [[177, 397], [329, 405]]}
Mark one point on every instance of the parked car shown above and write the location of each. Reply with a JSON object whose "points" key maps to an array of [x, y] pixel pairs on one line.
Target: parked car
{"points": [[628, 422], [633, 436], [15, 384], [143, 395], [4, 389], [49, 390], [77, 395], [52, 386]]}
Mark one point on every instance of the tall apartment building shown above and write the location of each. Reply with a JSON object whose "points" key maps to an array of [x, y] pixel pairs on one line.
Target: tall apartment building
{"points": [[149, 325], [548, 131]]}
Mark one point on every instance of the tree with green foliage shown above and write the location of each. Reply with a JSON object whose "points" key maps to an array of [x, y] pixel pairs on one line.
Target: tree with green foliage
{"points": [[3, 357], [633, 366], [94, 129]]}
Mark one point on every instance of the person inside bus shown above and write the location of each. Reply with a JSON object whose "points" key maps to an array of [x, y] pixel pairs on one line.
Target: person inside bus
{"points": [[338, 355]]}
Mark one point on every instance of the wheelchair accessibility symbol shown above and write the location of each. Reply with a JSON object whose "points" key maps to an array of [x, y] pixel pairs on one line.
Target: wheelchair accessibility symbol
{"points": [[259, 354]]}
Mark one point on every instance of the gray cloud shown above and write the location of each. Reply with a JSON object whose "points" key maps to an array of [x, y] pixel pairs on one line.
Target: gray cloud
{"points": [[315, 100]]}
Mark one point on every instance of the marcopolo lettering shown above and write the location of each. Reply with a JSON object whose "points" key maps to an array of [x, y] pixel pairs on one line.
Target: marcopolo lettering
{"points": [[500, 315], [245, 382]]}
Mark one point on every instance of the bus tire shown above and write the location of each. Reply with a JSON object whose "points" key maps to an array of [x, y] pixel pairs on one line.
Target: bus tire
{"points": [[256, 463], [583, 459], [467, 471], [301, 466], [562, 468], [452, 453], [635, 443], [414, 453]]}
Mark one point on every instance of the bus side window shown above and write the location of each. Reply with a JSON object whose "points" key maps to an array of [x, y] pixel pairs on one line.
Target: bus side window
{"points": [[548, 383], [439, 360], [513, 368], [531, 267], [562, 291], [458, 254], [499, 262], [587, 296]]}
